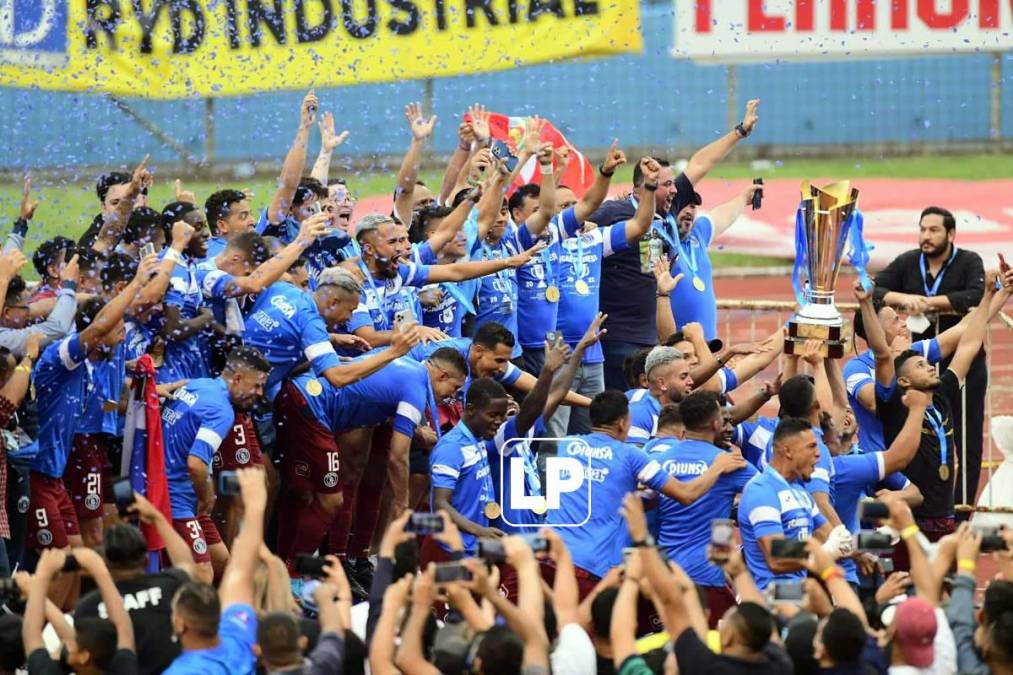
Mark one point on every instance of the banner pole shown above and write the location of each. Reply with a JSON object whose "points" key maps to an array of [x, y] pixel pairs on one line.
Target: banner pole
{"points": [[209, 131], [155, 130], [995, 99]]}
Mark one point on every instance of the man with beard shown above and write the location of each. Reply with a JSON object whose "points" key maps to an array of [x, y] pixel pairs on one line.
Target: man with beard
{"points": [[669, 381], [228, 214], [930, 281], [118, 198]]}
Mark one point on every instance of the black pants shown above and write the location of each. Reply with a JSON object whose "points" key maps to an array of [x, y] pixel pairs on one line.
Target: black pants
{"points": [[975, 390]]}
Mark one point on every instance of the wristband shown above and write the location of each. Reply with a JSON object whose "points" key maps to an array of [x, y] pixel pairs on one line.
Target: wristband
{"points": [[601, 170], [21, 227], [650, 188], [23, 369], [173, 255], [829, 573], [741, 130], [69, 285], [908, 532], [968, 565], [662, 295], [464, 146]]}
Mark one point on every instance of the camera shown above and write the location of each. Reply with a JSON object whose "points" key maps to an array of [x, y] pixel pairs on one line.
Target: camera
{"points": [[722, 531], [228, 484]]}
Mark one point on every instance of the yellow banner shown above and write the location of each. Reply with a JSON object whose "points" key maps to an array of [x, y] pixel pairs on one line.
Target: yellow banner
{"points": [[180, 48]]}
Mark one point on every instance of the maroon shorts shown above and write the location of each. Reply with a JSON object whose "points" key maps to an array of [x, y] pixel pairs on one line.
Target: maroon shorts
{"points": [[310, 454], [719, 600], [84, 475], [51, 515], [240, 449], [586, 581], [200, 534]]}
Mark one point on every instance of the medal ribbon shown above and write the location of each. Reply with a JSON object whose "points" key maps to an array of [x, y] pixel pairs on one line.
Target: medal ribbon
{"points": [[488, 491], [937, 426], [433, 411], [939, 278], [381, 305]]}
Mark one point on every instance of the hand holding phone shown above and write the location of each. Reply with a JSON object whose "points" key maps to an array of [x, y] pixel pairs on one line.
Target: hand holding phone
{"points": [[722, 532], [228, 484], [454, 571], [147, 249], [757, 194], [123, 494], [789, 549], [310, 566], [424, 523], [875, 510]]}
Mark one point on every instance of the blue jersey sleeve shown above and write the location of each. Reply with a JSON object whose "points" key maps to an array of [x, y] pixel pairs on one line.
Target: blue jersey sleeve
{"points": [[238, 629], [929, 349], [422, 254], [614, 239], [856, 376], [213, 283], [316, 343], [176, 293], [215, 424], [646, 469], [818, 519], [568, 220], [727, 378], [641, 424], [263, 222], [507, 432], [70, 352], [895, 481], [762, 508], [445, 465], [703, 230], [413, 275], [859, 469], [411, 408], [510, 375]]}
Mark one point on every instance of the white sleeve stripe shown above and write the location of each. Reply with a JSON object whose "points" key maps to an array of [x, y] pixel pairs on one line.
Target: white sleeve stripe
{"points": [[637, 432], [606, 242], [210, 280], [649, 471], [881, 464], [764, 514], [821, 474], [857, 380], [209, 437], [406, 409], [318, 349], [68, 362], [444, 470], [723, 381]]}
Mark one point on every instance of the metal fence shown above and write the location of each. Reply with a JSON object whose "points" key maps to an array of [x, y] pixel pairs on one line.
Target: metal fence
{"points": [[647, 100]]}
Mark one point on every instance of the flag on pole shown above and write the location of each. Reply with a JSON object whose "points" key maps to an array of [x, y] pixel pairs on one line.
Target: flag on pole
{"points": [[143, 452], [579, 173]]}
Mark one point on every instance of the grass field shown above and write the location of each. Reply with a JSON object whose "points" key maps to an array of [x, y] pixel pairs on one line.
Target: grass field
{"points": [[67, 206]]}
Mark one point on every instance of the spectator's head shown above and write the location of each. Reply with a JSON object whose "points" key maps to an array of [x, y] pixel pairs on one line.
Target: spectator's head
{"points": [[16, 312], [994, 635], [670, 421], [228, 213], [915, 372], [306, 200], [279, 643], [633, 368], [243, 254], [491, 349], [664, 196], [746, 628], [337, 295], [840, 640], [601, 614], [422, 196], [801, 643], [12, 646], [111, 189], [798, 399], [565, 198], [245, 374], [524, 202], [196, 611], [668, 374], [913, 633], [795, 448], [500, 652], [86, 313], [90, 265], [936, 229], [144, 227], [429, 219], [299, 273], [93, 646], [195, 218], [485, 407], [50, 256], [125, 550], [610, 410], [406, 558], [447, 372], [378, 236], [679, 340], [701, 414]]}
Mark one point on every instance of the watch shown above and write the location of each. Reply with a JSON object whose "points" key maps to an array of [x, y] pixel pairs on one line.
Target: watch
{"points": [[646, 542], [741, 130]]}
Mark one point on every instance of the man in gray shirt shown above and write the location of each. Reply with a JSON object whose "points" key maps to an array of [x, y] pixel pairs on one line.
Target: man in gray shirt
{"points": [[14, 319]]}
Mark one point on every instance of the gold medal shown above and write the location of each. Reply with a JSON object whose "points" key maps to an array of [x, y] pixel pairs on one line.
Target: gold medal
{"points": [[581, 287], [492, 510], [552, 294], [944, 472], [699, 285], [541, 507], [314, 388]]}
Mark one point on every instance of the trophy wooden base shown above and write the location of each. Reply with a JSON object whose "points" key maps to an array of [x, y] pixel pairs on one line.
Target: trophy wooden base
{"points": [[799, 332]]}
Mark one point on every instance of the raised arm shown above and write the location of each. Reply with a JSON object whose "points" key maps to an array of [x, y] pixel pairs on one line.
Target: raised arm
{"points": [[402, 340], [50, 564], [155, 288], [328, 142], [237, 582], [663, 303], [467, 139], [93, 564], [409, 172], [451, 225], [561, 384], [534, 402], [905, 445], [462, 271], [295, 162], [111, 315], [640, 223], [274, 267], [724, 215], [599, 189], [492, 196], [707, 157], [539, 220], [875, 336], [112, 228], [970, 341], [177, 549]]}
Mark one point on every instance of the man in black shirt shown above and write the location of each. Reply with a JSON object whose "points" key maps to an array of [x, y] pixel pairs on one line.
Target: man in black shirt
{"points": [[932, 468], [628, 287], [939, 277], [147, 597]]}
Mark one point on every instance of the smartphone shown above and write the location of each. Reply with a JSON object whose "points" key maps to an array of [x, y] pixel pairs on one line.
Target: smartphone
{"points": [[454, 571], [501, 151], [314, 208], [991, 540], [782, 591], [758, 195], [537, 543], [228, 484], [424, 523], [722, 531], [873, 510], [71, 564], [310, 566], [553, 336], [400, 316], [9, 590], [874, 541], [793, 549], [123, 493], [491, 550], [887, 564], [147, 249]]}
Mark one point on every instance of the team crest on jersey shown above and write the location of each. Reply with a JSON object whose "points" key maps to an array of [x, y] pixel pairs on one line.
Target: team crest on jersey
{"points": [[331, 479], [92, 502], [23, 504], [45, 537], [216, 461], [243, 456], [200, 547]]}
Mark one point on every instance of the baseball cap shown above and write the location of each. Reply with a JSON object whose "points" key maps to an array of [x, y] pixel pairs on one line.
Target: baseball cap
{"points": [[915, 626], [684, 198]]}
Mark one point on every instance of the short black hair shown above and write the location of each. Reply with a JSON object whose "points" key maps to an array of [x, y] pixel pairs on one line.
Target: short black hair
{"points": [[844, 637], [608, 407], [200, 607], [12, 647], [601, 611], [699, 409], [482, 391], [452, 358], [638, 173], [949, 222], [278, 637], [406, 558], [670, 416], [516, 200], [219, 204], [143, 220], [460, 197], [425, 215], [790, 426], [902, 358], [491, 334], [633, 366], [173, 212], [247, 358], [107, 180], [309, 188], [754, 625], [252, 246], [501, 651], [119, 267], [797, 396], [87, 311], [48, 253], [356, 653], [124, 547], [998, 600], [15, 287], [97, 637]]}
